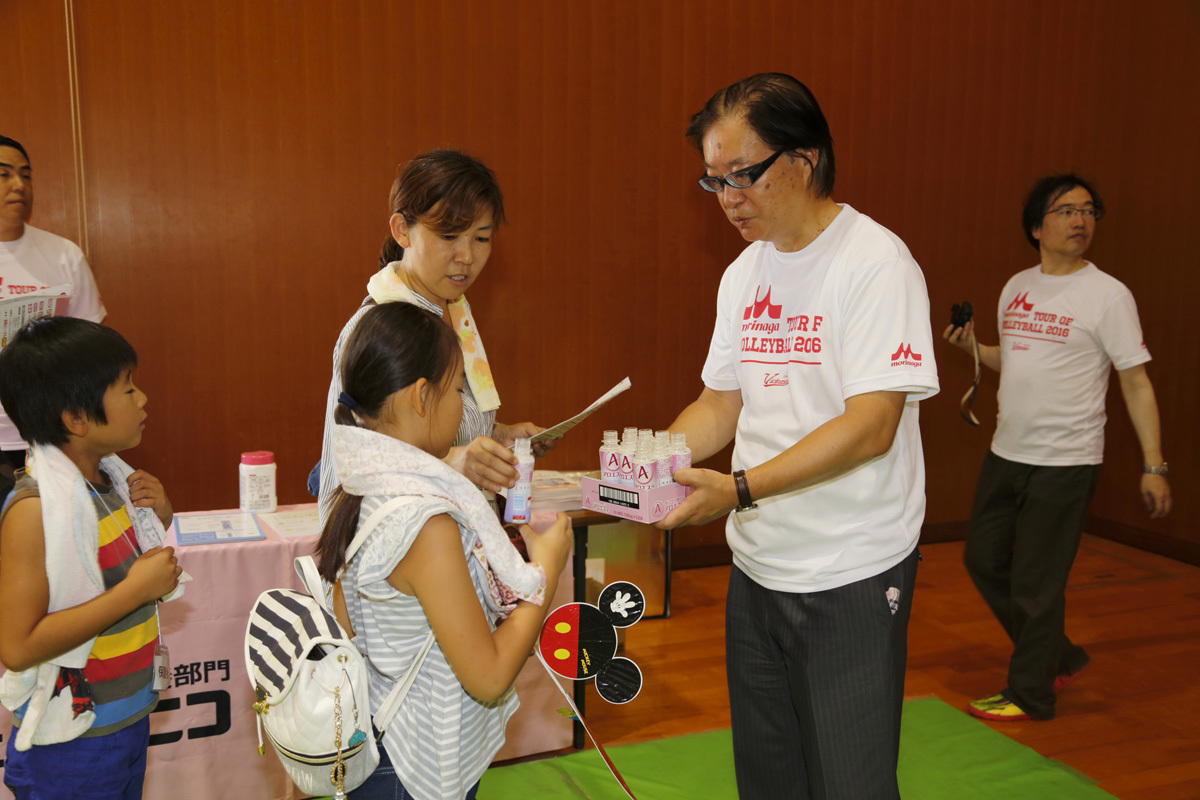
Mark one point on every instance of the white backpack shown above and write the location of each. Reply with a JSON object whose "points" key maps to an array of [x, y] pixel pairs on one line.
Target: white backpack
{"points": [[310, 681]]}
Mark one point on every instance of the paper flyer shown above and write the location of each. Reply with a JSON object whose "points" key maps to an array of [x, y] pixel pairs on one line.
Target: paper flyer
{"points": [[15, 312], [216, 528], [292, 524], [566, 425]]}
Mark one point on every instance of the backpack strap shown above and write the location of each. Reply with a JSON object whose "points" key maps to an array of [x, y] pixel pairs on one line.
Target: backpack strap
{"points": [[391, 703], [306, 566]]}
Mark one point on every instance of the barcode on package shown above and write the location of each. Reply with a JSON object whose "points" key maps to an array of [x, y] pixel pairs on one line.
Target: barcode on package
{"points": [[618, 497]]}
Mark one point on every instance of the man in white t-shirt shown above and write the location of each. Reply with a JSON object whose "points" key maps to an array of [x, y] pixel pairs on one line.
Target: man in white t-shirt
{"points": [[1063, 324], [821, 350], [32, 259]]}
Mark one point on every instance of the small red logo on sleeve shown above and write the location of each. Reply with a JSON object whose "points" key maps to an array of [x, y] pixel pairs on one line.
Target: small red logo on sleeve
{"points": [[904, 355]]}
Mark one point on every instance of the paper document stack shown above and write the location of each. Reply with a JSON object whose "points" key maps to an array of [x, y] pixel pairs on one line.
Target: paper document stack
{"points": [[557, 491]]}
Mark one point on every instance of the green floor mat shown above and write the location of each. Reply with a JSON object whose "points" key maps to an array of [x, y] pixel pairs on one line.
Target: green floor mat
{"points": [[944, 754]]}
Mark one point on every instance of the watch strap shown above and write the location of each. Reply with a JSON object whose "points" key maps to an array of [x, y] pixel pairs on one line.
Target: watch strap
{"points": [[745, 502]]}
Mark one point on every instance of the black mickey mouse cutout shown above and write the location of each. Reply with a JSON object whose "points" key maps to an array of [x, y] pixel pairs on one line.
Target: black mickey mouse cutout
{"points": [[579, 641]]}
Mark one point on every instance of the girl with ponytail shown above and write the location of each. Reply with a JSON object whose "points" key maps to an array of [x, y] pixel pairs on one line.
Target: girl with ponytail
{"points": [[439, 561]]}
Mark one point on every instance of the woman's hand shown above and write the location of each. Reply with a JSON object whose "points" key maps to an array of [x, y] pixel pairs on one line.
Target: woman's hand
{"points": [[146, 491], [507, 435], [486, 463]]}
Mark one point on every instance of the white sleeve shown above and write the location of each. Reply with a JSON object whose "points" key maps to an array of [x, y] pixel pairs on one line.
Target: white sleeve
{"points": [[85, 295], [1120, 333], [720, 368], [886, 339]]}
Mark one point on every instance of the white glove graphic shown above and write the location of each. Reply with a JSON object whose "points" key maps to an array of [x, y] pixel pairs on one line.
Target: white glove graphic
{"points": [[620, 603]]}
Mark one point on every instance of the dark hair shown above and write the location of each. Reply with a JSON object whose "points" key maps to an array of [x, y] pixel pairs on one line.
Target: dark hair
{"points": [[784, 114], [1044, 194], [57, 364], [14, 144], [445, 190], [392, 346]]}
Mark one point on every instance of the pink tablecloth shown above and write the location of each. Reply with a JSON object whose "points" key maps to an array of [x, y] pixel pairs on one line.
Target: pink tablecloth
{"points": [[203, 740]]}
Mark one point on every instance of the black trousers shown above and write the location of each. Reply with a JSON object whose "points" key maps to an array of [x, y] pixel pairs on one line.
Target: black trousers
{"points": [[816, 684], [1022, 537]]}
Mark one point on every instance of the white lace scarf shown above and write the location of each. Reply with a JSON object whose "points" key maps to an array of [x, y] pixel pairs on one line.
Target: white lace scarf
{"points": [[371, 464]]}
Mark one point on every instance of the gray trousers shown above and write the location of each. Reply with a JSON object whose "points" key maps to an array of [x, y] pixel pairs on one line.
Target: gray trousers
{"points": [[816, 683]]}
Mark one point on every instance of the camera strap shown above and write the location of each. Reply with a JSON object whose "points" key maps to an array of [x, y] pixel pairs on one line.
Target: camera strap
{"points": [[968, 399]]}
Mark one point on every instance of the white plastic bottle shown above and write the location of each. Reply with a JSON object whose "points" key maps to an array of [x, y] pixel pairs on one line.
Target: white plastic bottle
{"points": [[645, 473], [628, 451], [662, 452], [520, 497], [256, 482], [610, 458], [681, 456]]}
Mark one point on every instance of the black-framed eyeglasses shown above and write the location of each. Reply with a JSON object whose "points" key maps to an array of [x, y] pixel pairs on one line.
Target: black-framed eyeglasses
{"points": [[742, 179], [1068, 212]]}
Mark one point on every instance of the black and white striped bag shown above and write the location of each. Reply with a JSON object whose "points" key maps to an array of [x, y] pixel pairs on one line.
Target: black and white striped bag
{"points": [[310, 682]]}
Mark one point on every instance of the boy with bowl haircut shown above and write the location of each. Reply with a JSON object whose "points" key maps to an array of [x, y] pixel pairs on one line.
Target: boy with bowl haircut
{"points": [[81, 567]]}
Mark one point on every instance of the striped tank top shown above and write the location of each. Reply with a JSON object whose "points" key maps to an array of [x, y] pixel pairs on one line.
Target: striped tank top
{"points": [[120, 669]]}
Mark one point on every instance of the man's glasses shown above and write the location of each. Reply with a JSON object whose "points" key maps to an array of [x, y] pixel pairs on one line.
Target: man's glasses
{"points": [[743, 178], [1068, 212]]}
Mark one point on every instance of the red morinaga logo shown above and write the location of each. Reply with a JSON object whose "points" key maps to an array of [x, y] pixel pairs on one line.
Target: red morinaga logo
{"points": [[757, 308], [1020, 303], [904, 355]]}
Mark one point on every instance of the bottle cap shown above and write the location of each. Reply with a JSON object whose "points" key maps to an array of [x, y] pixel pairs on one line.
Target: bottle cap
{"points": [[522, 448], [258, 457]]}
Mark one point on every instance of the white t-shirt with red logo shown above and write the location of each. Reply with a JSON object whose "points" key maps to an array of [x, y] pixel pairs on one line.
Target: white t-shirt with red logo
{"points": [[39, 260], [1059, 337], [798, 333]]}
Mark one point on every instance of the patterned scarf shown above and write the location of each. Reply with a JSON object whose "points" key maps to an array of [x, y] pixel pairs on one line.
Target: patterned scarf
{"points": [[386, 286]]}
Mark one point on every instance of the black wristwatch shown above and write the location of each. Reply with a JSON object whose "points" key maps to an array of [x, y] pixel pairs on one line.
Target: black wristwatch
{"points": [[745, 503]]}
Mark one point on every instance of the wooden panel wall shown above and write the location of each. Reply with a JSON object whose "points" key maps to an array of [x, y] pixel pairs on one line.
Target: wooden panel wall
{"points": [[238, 158]]}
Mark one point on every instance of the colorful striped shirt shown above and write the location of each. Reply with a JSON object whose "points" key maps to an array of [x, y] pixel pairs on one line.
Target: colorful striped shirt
{"points": [[120, 670]]}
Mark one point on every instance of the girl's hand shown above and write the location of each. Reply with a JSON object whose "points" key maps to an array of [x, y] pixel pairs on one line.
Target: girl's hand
{"points": [[551, 547], [485, 462], [155, 574], [146, 491]]}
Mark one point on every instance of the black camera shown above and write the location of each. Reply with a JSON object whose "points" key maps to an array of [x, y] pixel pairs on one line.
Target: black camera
{"points": [[960, 314]]}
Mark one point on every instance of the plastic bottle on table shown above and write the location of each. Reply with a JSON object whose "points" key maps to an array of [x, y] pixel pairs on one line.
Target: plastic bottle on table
{"points": [[256, 482]]}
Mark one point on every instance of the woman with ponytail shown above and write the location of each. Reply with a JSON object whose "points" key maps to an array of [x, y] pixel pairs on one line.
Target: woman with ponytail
{"points": [[445, 207]]}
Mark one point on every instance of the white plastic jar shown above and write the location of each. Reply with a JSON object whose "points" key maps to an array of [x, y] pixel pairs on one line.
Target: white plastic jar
{"points": [[256, 482]]}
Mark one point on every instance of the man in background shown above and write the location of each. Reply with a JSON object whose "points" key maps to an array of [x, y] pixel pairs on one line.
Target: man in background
{"points": [[1063, 325], [33, 259]]}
